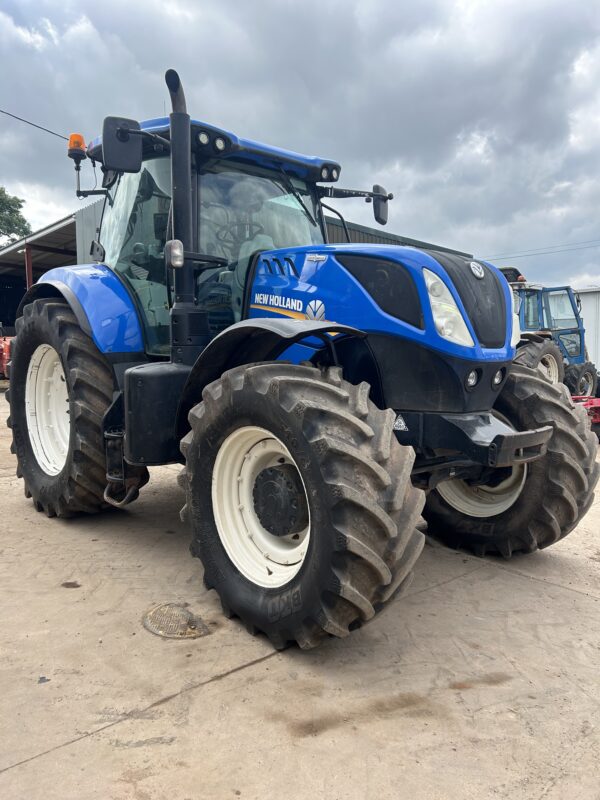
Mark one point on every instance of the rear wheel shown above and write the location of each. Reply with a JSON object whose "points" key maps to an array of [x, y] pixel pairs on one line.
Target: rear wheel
{"points": [[528, 506], [582, 379], [544, 356], [300, 501], [60, 388]]}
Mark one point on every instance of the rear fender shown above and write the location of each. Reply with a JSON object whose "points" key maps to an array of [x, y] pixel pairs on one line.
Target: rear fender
{"points": [[98, 298], [247, 342]]}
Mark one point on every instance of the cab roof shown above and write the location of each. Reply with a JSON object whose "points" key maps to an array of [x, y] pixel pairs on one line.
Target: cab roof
{"points": [[237, 148]]}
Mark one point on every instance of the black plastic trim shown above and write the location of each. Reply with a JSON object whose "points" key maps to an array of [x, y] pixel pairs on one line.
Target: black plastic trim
{"points": [[39, 290]]}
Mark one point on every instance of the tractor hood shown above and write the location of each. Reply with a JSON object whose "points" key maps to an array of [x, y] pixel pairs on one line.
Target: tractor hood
{"points": [[383, 289]]}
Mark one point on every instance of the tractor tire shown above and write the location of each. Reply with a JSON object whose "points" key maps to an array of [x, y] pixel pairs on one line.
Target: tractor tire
{"points": [[300, 501], [582, 379], [60, 388], [544, 356], [538, 503]]}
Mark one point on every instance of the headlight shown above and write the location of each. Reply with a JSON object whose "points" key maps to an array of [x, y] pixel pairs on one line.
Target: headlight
{"points": [[448, 320], [516, 322]]}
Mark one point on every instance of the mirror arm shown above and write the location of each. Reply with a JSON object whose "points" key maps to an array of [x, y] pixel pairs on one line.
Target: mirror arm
{"points": [[333, 191], [79, 192], [153, 137]]}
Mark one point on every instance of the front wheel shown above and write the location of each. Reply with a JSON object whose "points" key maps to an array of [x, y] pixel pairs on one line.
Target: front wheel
{"points": [[528, 506], [300, 501]]}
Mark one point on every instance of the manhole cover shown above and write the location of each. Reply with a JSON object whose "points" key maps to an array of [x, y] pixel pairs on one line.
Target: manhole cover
{"points": [[174, 622]]}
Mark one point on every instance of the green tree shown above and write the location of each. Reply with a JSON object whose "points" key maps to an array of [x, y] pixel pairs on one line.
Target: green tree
{"points": [[13, 224]]}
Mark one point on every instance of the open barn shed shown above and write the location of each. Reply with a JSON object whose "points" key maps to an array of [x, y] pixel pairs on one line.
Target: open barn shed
{"points": [[23, 262]]}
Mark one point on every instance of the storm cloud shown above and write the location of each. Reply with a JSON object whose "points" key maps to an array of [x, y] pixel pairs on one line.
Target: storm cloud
{"points": [[482, 118]]}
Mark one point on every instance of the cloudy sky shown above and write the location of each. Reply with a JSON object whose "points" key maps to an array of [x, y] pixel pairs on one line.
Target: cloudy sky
{"points": [[483, 118]]}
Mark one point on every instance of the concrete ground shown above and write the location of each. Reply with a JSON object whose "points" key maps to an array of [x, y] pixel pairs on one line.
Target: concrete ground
{"points": [[483, 682]]}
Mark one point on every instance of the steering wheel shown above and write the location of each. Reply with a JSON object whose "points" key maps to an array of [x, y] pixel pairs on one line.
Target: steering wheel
{"points": [[229, 234]]}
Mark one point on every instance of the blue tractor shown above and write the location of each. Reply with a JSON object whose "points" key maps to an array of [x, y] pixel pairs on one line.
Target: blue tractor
{"points": [[320, 398], [553, 336]]}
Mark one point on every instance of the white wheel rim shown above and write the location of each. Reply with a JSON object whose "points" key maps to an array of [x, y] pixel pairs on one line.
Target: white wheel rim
{"points": [[47, 409], [548, 366], [484, 501], [266, 560]]}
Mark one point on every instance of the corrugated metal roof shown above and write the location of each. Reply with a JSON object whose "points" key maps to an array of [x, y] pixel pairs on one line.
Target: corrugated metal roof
{"points": [[52, 246]]}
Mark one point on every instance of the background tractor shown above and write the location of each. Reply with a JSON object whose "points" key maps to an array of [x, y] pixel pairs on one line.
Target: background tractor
{"points": [[553, 334], [319, 397]]}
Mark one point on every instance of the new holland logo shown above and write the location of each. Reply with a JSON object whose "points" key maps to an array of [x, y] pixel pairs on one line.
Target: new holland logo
{"points": [[477, 270], [315, 309]]}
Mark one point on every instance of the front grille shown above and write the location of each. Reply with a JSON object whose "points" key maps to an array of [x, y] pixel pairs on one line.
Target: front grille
{"points": [[483, 298], [389, 284]]}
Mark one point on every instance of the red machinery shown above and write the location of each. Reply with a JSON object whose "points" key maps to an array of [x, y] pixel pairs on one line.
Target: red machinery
{"points": [[4, 355]]}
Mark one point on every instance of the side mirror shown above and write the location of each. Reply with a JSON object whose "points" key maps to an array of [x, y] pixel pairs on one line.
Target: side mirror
{"points": [[380, 204], [578, 301], [97, 252], [121, 145]]}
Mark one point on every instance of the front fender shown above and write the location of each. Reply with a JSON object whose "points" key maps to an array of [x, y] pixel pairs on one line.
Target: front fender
{"points": [[246, 342], [99, 300]]}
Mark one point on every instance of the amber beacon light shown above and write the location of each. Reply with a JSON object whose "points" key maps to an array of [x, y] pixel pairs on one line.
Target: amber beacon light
{"points": [[76, 148]]}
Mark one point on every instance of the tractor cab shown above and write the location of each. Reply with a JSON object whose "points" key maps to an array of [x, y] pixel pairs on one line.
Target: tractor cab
{"points": [[240, 209], [246, 198], [551, 311]]}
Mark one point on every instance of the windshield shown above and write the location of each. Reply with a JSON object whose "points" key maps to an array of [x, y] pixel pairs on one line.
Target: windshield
{"points": [[559, 311], [242, 211], [134, 231]]}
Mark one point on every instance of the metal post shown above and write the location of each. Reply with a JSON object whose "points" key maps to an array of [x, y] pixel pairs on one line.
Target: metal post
{"points": [[28, 267]]}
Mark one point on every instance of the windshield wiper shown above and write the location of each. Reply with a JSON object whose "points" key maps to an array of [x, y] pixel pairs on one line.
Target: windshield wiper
{"points": [[291, 188]]}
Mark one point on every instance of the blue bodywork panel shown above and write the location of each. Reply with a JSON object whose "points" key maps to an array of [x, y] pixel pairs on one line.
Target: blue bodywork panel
{"points": [[318, 276], [113, 319], [247, 149]]}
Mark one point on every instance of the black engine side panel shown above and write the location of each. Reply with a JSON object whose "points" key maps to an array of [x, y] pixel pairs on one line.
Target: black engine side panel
{"points": [[407, 376]]}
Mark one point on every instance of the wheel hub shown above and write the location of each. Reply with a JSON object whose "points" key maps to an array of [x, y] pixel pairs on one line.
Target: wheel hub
{"points": [[280, 501], [549, 368]]}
